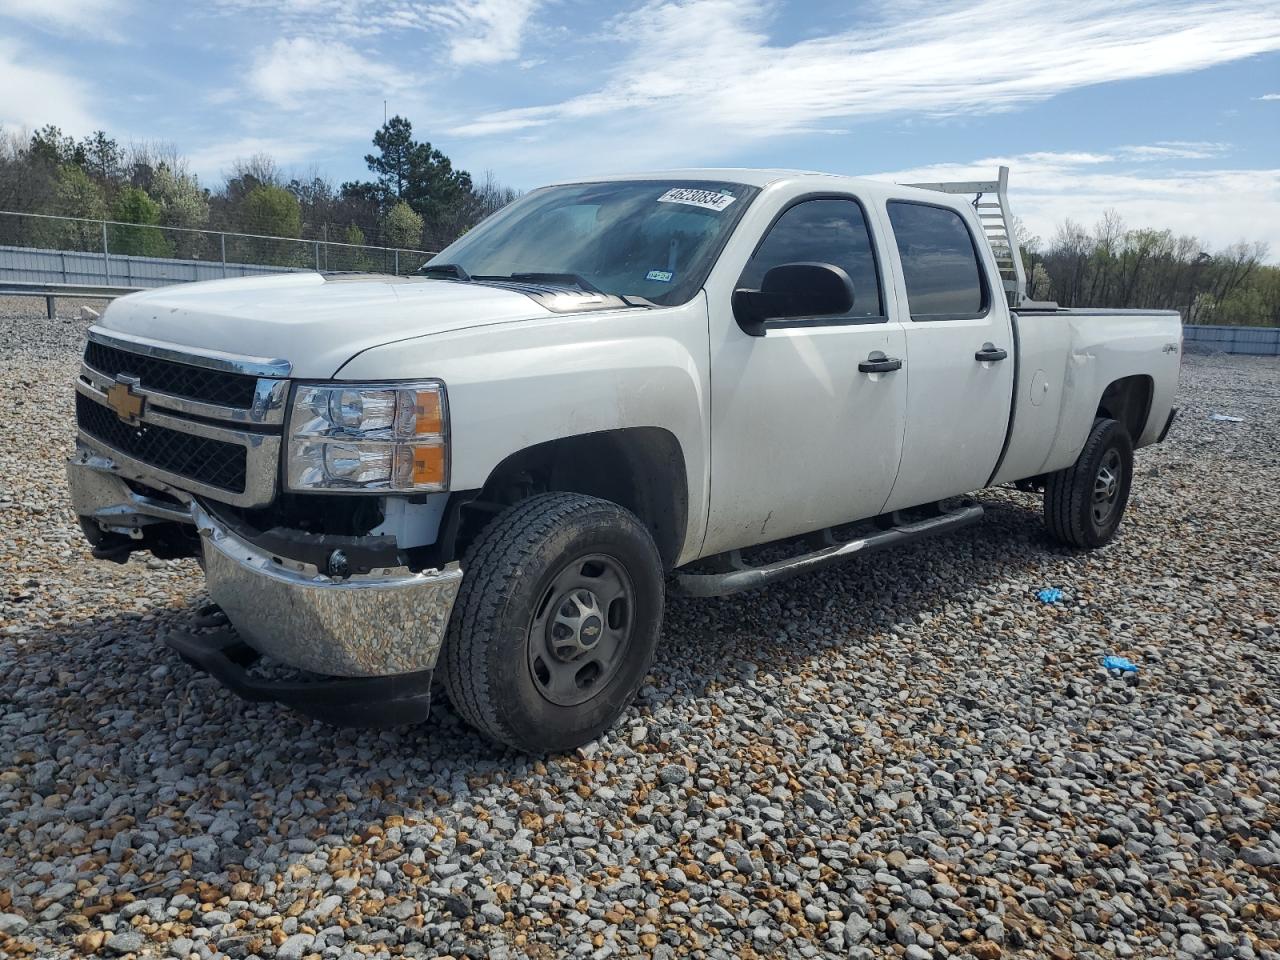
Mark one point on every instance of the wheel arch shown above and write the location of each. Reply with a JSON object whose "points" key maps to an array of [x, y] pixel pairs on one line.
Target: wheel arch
{"points": [[640, 468], [1128, 401]]}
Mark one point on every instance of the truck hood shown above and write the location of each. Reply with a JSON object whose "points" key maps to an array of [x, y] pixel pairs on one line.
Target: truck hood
{"points": [[315, 322]]}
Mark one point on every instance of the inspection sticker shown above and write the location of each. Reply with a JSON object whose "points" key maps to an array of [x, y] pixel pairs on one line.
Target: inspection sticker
{"points": [[663, 275], [707, 199]]}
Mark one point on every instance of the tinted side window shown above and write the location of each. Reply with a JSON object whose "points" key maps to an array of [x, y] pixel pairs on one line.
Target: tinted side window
{"points": [[823, 231], [939, 262]]}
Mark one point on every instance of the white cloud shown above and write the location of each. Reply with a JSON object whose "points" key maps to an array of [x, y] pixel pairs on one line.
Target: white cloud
{"points": [[705, 72], [1218, 206], [1268, 96], [67, 16], [1176, 150], [487, 31], [471, 31], [36, 94], [1073, 158], [290, 70]]}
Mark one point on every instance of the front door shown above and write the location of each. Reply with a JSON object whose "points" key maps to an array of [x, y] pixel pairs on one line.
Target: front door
{"points": [[801, 439], [962, 356]]}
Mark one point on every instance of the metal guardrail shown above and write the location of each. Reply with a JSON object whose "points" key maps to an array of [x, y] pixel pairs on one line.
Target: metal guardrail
{"points": [[1250, 341], [52, 256], [51, 292], [110, 240], [36, 265]]}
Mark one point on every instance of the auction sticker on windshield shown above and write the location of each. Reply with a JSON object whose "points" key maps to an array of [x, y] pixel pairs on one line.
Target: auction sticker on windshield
{"points": [[707, 199]]}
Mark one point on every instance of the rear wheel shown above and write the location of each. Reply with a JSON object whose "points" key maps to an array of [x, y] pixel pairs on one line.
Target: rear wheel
{"points": [[556, 622], [1084, 503]]}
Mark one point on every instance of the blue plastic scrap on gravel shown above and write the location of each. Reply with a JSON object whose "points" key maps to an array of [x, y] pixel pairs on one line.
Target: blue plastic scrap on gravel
{"points": [[1050, 595], [1123, 664]]}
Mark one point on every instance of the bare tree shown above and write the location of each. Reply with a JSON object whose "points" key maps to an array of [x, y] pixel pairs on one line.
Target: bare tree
{"points": [[1238, 261], [262, 167], [1108, 234]]}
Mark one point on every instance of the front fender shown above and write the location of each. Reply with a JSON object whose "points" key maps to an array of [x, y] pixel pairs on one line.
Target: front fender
{"points": [[514, 385]]}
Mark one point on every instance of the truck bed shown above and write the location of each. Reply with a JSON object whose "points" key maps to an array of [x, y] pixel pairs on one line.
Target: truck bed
{"points": [[1067, 357]]}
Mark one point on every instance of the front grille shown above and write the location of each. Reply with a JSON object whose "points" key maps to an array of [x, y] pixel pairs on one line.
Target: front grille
{"points": [[212, 462], [170, 376]]}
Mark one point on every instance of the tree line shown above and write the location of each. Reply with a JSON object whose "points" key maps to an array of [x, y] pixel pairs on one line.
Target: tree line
{"points": [[415, 200], [1115, 266]]}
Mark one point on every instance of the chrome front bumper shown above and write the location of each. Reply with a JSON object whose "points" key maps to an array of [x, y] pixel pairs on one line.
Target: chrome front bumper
{"points": [[391, 621], [385, 623], [99, 494]]}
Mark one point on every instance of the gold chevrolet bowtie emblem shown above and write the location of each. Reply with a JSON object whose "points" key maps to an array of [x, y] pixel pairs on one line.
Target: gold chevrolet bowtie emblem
{"points": [[127, 404]]}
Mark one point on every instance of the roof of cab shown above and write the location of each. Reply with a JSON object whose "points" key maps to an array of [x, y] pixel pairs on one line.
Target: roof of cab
{"points": [[751, 177]]}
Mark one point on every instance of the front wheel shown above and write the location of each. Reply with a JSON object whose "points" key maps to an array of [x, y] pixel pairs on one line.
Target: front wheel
{"points": [[556, 622], [1084, 503]]}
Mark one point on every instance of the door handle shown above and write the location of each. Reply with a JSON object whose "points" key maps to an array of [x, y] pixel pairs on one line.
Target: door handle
{"points": [[879, 363], [990, 353]]}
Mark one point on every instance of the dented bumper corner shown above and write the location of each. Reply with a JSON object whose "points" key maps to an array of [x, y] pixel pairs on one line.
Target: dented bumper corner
{"points": [[383, 623]]}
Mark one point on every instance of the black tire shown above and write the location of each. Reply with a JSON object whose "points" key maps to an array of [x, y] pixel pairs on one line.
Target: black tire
{"points": [[1084, 503], [529, 577]]}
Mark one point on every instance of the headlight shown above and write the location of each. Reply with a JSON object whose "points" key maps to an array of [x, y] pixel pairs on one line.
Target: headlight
{"points": [[375, 437]]}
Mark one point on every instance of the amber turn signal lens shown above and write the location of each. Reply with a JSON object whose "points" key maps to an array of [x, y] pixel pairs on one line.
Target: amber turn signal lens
{"points": [[429, 413], [428, 465]]}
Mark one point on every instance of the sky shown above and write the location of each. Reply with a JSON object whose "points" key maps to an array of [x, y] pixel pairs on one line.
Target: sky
{"points": [[1167, 111]]}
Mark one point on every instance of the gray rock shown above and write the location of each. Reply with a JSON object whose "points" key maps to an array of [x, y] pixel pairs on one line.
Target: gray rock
{"points": [[673, 774], [127, 941], [12, 924], [325, 908], [1259, 856], [295, 947], [856, 929], [1190, 943]]}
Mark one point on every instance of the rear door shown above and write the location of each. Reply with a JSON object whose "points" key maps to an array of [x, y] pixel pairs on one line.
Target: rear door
{"points": [[960, 351]]}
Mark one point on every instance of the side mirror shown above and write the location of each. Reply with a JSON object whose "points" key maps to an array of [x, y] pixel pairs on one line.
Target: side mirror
{"points": [[793, 290]]}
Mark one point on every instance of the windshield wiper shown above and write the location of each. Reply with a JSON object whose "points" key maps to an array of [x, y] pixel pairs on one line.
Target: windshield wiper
{"points": [[563, 279], [454, 270], [631, 300], [573, 278]]}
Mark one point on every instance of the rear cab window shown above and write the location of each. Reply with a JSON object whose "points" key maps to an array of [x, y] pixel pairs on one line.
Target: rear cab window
{"points": [[940, 262]]}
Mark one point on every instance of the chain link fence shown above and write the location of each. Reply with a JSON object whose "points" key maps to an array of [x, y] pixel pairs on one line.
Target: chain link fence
{"points": [[42, 248]]}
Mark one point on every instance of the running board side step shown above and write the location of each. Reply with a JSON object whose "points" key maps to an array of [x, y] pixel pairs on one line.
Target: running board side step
{"points": [[745, 577]]}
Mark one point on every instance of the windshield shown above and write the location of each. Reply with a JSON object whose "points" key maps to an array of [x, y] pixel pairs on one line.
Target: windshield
{"points": [[650, 239]]}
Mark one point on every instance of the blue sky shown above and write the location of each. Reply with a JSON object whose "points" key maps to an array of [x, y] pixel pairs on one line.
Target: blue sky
{"points": [[1166, 111]]}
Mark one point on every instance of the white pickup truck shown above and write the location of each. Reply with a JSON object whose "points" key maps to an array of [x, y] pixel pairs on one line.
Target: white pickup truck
{"points": [[490, 473]]}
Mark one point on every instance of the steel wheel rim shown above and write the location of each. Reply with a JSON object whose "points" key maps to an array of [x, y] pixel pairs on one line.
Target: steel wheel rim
{"points": [[1106, 487], [581, 629]]}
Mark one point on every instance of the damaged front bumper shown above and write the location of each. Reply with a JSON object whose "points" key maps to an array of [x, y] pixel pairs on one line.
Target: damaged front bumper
{"points": [[386, 622], [389, 623]]}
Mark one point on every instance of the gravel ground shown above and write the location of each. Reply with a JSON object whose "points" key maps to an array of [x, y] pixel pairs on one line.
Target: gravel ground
{"points": [[22, 308], [909, 755]]}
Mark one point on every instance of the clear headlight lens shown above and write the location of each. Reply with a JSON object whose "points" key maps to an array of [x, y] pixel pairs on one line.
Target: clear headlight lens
{"points": [[374, 437]]}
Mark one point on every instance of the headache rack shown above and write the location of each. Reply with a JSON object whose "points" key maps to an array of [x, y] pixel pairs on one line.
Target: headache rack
{"points": [[991, 201]]}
